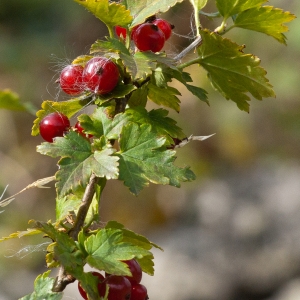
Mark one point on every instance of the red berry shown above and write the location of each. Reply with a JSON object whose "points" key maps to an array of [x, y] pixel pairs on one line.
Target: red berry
{"points": [[54, 125], [81, 130], [138, 292], [149, 37], [71, 79], [119, 288], [164, 26], [135, 270], [82, 291], [121, 31], [133, 30], [100, 75]]}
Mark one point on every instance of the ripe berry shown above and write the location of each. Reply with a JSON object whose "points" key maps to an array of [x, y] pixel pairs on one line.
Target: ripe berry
{"points": [[121, 31], [164, 26], [54, 125], [119, 288], [138, 292], [149, 37], [82, 291], [100, 75], [71, 79], [135, 270], [81, 130]]}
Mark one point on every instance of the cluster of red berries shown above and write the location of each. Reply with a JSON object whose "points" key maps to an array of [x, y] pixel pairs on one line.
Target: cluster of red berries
{"points": [[149, 36], [100, 75], [120, 287]]}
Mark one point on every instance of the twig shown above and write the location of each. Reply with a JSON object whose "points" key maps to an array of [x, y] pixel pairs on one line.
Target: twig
{"points": [[63, 278], [194, 44]]}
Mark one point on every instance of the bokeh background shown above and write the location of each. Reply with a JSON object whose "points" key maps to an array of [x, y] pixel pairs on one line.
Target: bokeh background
{"points": [[234, 233]]}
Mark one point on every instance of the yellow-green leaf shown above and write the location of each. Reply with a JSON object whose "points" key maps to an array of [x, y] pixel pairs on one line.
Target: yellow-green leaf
{"points": [[232, 72], [68, 108], [111, 14], [266, 19], [229, 8]]}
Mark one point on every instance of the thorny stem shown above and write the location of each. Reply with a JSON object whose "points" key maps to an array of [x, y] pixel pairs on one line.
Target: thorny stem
{"points": [[63, 278]]}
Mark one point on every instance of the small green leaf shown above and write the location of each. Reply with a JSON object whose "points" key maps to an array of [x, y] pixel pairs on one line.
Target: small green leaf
{"points": [[199, 4], [111, 14], [266, 19], [110, 45], [232, 7], [120, 91], [198, 92], [232, 72], [106, 250], [68, 108], [43, 285], [143, 159], [160, 123], [139, 97], [11, 101], [65, 205], [82, 60], [164, 96], [142, 9]]}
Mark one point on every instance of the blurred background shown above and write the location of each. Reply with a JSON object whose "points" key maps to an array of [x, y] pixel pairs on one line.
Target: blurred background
{"points": [[233, 233]]}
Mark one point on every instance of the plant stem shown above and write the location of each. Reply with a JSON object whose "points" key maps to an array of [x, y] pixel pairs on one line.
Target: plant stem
{"points": [[188, 63], [195, 43], [63, 278]]}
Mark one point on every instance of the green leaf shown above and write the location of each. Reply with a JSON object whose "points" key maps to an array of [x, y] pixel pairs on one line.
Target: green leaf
{"points": [[11, 101], [132, 237], [111, 14], [160, 123], [110, 45], [199, 4], [82, 60], [43, 285], [78, 162], [164, 96], [65, 205], [266, 19], [142, 9], [231, 7], [68, 108], [143, 159], [139, 97], [232, 72], [106, 250], [120, 91], [198, 92]]}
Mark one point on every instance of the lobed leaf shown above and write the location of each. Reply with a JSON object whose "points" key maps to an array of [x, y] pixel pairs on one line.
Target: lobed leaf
{"points": [[143, 159], [43, 285], [164, 96], [106, 250], [20, 234], [111, 14], [266, 19], [232, 72], [232, 7], [78, 162]]}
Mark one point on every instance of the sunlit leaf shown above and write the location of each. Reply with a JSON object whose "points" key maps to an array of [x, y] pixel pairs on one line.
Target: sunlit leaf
{"points": [[266, 19], [232, 72], [68, 108], [111, 14], [231, 7]]}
